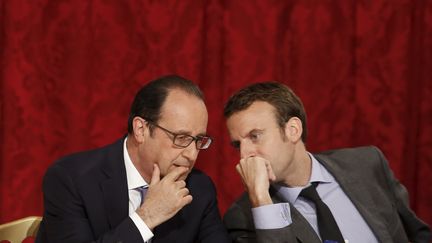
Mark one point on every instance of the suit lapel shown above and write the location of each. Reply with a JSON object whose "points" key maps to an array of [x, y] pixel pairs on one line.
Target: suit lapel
{"points": [[114, 188], [303, 230], [357, 193]]}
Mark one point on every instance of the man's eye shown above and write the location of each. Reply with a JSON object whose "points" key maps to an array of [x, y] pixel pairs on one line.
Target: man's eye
{"points": [[235, 144], [182, 138], [254, 136]]}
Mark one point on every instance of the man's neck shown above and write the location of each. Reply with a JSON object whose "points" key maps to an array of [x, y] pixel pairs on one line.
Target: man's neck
{"points": [[133, 151], [298, 174]]}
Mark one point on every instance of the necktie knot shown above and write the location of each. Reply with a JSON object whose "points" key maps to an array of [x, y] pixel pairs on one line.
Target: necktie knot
{"points": [[310, 193], [142, 190]]}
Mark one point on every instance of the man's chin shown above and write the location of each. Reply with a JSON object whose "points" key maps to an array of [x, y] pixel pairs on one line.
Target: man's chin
{"points": [[183, 176]]}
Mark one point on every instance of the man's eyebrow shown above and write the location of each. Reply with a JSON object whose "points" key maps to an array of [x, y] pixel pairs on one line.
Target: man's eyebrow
{"points": [[202, 134], [236, 143], [255, 130]]}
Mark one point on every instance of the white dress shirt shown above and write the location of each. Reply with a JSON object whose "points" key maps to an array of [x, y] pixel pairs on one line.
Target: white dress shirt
{"points": [[135, 180]]}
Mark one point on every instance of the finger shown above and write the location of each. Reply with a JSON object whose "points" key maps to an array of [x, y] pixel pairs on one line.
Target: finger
{"points": [[244, 163], [155, 175], [180, 184], [174, 174], [248, 162], [186, 200], [239, 170], [183, 192], [272, 176]]}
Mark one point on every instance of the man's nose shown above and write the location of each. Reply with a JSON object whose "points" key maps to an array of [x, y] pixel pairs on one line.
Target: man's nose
{"points": [[191, 152], [247, 150]]}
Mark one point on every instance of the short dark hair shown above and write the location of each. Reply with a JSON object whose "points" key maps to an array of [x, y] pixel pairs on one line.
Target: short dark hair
{"points": [[150, 98], [280, 96]]}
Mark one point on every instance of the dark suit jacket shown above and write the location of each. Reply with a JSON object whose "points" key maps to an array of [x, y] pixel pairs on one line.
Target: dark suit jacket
{"points": [[365, 177], [86, 200]]}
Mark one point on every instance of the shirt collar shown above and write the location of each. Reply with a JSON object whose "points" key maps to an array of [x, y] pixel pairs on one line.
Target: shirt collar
{"points": [[318, 174], [134, 179]]}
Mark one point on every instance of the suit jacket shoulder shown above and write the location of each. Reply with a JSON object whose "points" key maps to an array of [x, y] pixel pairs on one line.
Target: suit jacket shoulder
{"points": [[365, 176]]}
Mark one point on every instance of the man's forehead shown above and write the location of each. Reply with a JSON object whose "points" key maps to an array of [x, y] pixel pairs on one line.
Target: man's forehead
{"points": [[184, 113], [243, 127], [255, 113], [255, 117]]}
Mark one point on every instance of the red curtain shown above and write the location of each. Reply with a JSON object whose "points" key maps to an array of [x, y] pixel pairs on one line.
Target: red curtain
{"points": [[69, 71]]}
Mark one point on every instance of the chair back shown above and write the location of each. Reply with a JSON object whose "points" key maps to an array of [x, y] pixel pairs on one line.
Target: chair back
{"points": [[18, 230]]}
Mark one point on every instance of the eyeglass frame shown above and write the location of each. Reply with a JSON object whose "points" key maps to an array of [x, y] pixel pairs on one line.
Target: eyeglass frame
{"points": [[175, 135]]}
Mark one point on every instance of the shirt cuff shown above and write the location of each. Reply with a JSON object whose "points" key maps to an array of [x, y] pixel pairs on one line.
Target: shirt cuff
{"points": [[146, 233], [272, 216]]}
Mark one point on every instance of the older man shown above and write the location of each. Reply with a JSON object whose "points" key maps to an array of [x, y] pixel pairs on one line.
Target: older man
{"points": [[143, 187]]}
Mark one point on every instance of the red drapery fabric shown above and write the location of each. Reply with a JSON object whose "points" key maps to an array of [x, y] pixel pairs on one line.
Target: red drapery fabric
{"points": [[69, 71]]}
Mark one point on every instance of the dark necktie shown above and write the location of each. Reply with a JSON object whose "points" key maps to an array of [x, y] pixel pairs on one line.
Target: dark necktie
{"points": [[142, 190], [328, 229]]}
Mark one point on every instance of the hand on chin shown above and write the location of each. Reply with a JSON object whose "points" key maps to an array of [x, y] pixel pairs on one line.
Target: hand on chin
{"points": [[184, 175]]}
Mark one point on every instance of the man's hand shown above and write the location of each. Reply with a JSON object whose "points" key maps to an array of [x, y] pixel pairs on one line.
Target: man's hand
{"points": [[256, 174], [165, 197]]}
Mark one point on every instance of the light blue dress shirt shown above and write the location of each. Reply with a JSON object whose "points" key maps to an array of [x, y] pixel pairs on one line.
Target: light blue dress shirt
{"points": [[352, 225]]}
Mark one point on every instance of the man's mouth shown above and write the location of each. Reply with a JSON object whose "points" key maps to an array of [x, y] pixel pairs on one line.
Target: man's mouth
{"points": [[186, 165]]}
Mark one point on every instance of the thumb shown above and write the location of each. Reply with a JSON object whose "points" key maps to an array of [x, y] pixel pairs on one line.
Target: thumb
{"points": [[270, 172], [155, 175]]}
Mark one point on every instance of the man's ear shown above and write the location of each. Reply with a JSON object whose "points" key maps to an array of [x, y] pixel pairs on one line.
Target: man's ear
{"points": [[140, 128], [293, 129]]}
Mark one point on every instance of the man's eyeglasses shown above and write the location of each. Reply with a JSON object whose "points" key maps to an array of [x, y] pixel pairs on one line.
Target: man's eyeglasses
{"points": [[184, 140]]}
